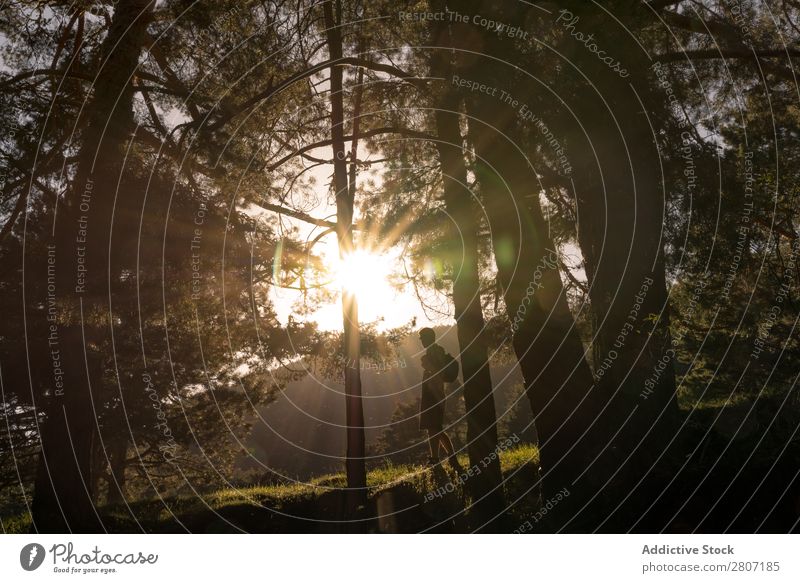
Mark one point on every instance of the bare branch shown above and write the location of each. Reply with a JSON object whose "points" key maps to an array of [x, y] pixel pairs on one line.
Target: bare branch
{"points": [[301, 216]]}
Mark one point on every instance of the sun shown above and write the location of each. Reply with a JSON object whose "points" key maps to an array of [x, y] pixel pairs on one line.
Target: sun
{"points": [[366, 275], [361, 272], [376, 280]]}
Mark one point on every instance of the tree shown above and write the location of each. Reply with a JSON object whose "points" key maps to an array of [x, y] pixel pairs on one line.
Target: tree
{"points": [[67, 440], [558, 380], [181, 258], [463, 218], [344, 192]]}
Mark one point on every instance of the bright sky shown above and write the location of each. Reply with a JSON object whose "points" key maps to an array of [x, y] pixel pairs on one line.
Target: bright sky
{"points": [[368, 275], [381, 298]]}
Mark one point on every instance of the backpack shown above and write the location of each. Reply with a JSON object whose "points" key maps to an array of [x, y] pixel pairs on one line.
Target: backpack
{"points": [[450, 368]]}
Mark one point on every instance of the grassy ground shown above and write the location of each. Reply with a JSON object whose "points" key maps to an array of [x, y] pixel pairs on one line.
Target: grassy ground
{"points": [[402, 498], [736, 471]]}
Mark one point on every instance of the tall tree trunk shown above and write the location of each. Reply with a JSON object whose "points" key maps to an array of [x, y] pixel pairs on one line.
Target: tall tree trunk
{"points": [[355, 464], [558, 379], [622, 205], [486, 488], [63, 490]]}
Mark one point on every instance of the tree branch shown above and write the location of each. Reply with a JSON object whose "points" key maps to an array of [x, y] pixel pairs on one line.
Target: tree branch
{"points": [[45, 73], [272, 90], [301, 216], [367, 134], [726, 53], [661, 4]]}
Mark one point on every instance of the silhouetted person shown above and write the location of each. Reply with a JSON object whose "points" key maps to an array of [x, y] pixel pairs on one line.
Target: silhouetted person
{"points": [[432, 401]]}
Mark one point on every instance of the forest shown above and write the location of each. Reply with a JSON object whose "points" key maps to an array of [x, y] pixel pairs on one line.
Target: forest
{"points": [[231, 229]]}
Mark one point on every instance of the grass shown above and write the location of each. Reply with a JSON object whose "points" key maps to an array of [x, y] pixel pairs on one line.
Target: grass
{"points": [[312, 505]]}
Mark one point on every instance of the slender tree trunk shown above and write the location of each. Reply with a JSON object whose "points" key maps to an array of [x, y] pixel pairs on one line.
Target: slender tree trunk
{"points": [[64, 485], [486, 488], [355, 464], [117, 458]]}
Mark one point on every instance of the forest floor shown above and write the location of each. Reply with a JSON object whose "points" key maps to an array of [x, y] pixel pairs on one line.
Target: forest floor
{"points": [[739, 471], [402, 498]]}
